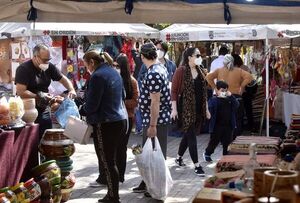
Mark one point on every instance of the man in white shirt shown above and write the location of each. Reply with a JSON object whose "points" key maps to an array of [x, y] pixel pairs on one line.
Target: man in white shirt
{"points": [[218, 62]]}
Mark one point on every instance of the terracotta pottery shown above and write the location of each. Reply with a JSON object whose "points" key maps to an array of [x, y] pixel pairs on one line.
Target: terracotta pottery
{"points": [[68, 181], [66, 194], [49, 169], [30, 112], [54, 144], [45, 186], [56, 193], [284, 180], [3, 198], [21, 193], [34, 190], [258, 181], [10, 195]]}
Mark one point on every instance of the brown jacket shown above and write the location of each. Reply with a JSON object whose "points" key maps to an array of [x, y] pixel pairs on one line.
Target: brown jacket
{"points": [[131, 104], [236, 79], [177, 86]]}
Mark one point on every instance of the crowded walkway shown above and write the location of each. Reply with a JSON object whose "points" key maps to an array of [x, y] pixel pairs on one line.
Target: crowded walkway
{"points": [[186, 183]]}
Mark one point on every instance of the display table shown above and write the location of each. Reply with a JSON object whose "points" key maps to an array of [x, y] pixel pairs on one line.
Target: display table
{"points": [[18, 154], [291, 105]]}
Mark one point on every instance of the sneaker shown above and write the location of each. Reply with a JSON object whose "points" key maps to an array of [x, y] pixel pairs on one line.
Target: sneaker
{"points": [[199, 171], [207, 158], [147, 194], [141, 188], [179, 161], [96, 184]]}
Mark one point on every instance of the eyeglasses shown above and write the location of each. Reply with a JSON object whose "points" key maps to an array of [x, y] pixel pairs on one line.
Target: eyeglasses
{"points": [[198, 55], [45, 60]]}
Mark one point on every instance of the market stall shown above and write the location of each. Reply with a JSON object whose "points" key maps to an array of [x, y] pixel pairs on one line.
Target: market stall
{"points": [[269, 34]]}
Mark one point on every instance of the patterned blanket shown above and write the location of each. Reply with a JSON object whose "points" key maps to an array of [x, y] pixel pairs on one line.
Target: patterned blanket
{"points": [[265, 145], [236, 162]]}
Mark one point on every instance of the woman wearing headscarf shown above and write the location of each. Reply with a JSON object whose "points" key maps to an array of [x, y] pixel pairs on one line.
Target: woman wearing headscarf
{"points": [[105, 111], [189, 104], [237, 79]]}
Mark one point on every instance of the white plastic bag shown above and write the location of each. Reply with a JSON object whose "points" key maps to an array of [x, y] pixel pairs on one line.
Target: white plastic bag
{"points": [[77, 130], [154, 170]]}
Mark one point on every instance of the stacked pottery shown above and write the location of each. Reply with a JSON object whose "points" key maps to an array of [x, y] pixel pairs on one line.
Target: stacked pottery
{"points": [[51, 171], [30, 112], [55, 145], [10, 195]]}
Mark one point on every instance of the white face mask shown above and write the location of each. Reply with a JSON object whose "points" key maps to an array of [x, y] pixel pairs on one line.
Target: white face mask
{"points": [[223, 94], [44, 66], [160, 54], [118, 70], [198, 61]]}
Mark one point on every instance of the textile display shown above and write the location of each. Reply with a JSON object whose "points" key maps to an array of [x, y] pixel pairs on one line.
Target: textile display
{"points": [[291, 105], [265, 145], [236, 162], [16, 149]]}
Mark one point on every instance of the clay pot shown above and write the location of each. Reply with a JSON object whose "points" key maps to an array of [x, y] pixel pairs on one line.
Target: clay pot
{"points": [[258, 180], [10, 195], [21, 192], [66, 194], [3, 198], [54, 144], [68, 181], [30, 112], [34, 190], [45, 186], [49, 169], [285, 180]]}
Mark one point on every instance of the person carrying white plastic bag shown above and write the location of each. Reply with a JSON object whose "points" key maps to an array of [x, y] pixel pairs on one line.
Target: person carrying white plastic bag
{"points": [[154, 170]]}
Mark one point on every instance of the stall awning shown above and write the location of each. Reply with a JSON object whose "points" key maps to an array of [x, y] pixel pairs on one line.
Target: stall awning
{"points": [[103, 29], [223, 32], [193, 11]]}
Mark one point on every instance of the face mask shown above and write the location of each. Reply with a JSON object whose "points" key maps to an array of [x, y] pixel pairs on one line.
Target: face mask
{"points": [[118, 70], [160, 54], [223, 94], [198, 61], [44, 66]]}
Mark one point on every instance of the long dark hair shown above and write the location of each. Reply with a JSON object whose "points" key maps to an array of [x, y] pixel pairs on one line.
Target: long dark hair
{"points": [[188, 52], [123, 63]]}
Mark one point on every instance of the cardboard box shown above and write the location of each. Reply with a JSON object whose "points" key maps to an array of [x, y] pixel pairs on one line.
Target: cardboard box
{"points": [[209, 195]]}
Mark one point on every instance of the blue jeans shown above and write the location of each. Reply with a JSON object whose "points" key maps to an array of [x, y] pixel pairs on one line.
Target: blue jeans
{"points": [[138, 121]]}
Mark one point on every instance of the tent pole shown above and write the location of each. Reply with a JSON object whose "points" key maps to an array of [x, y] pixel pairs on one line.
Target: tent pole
{"points": [[267, 87]]}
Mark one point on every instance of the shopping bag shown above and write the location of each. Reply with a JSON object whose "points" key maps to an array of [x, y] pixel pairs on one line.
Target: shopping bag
{"points": [[154, 170], [78, 130], [66, 109]]}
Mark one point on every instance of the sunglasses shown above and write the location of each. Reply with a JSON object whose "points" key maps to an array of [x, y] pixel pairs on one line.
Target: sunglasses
{"points": [[116, 65], [198, 55]]}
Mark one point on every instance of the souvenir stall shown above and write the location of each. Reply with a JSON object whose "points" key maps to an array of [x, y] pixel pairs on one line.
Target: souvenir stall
{"points": [[67, 43], [235, 171]]}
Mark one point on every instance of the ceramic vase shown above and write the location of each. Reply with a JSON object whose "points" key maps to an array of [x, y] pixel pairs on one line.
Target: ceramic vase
{"points": [[30, 112]]}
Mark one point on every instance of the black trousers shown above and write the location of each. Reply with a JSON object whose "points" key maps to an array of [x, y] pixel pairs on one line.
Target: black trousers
{"points": [[162, 136], [44, 121], [122, 152], [239, 117], [222, 134], [189, 140], [108, 140]]}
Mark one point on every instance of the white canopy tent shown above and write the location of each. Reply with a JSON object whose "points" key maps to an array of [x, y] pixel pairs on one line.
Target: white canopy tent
{"points": [[89, 29], [215, 32], [102, 29], [234, 32], [148, 12]]}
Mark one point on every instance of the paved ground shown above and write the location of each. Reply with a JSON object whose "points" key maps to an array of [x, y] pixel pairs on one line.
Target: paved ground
{"points": [[186, 183]]}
